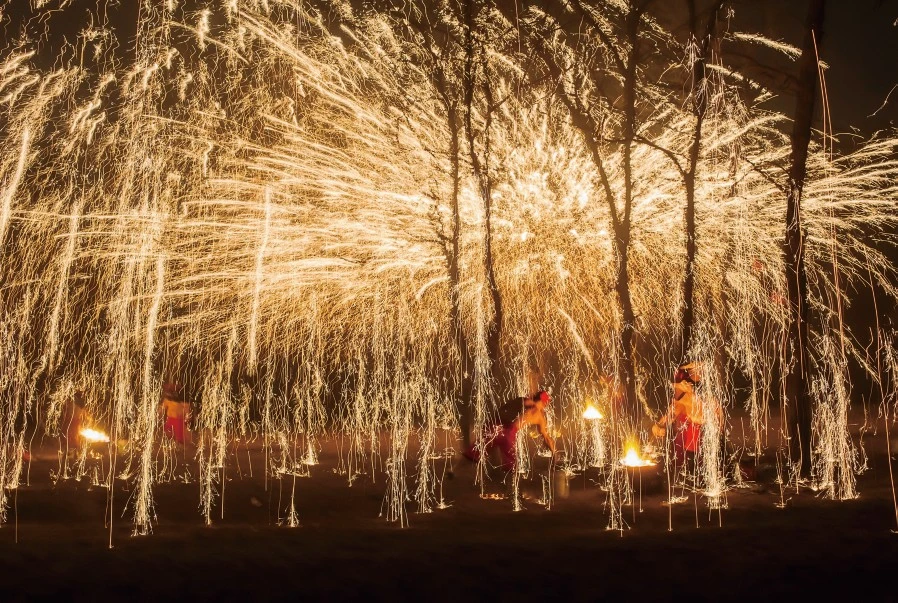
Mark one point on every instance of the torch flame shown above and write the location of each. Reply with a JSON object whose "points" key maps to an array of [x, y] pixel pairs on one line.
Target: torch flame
{"points": [[92, 435], [591, 413]]}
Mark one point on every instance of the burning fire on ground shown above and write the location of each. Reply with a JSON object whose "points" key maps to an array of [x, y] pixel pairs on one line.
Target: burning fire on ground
{"points": [[632, 456]]}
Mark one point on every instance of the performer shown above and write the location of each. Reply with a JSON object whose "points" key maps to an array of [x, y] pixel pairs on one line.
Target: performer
{"points": [[176, 411], [687, 411], [514, 415]]}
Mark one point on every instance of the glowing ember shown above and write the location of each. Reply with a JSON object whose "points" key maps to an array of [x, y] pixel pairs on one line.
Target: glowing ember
{"points": [[591, 413], [93, 436]]}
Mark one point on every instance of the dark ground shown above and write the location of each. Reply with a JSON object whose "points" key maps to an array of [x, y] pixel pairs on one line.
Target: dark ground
{"points": [[477, 549]]}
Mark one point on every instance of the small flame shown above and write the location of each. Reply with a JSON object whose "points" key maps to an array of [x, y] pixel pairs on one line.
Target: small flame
{"points": [[632, 457], [591, 413], [92, 435]]}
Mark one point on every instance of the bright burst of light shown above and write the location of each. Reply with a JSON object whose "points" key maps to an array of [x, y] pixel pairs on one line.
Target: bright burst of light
{"points": [[591, 413], [93, 436], [632, 457]]}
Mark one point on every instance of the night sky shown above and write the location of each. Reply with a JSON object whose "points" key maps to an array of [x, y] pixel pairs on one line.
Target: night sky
{"points": [[860, 45]]}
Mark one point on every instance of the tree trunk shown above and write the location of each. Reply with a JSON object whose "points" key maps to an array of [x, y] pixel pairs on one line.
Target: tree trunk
{"points": [[452, 264], [699, 106], [484, 182], [798, 401], [699, 109], [627, 365]]}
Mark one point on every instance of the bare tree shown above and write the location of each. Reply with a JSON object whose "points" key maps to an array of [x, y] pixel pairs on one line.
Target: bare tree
{"points": [[439, 48], [592, 91], [700, 44], [449, 47]]}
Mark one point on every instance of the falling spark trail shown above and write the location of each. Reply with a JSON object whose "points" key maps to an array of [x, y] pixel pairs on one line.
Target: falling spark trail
{"points": [[143, 505], [257, 288], [12, 185], [65, 266]]}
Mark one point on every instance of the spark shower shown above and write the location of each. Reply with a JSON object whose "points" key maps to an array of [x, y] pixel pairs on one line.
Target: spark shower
{"points": [[372, 224]]}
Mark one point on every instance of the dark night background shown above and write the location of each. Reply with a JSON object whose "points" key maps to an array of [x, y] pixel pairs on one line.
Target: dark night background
{"points": [[860, 45]]}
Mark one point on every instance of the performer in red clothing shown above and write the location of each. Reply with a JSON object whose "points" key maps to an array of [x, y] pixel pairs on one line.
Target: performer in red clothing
{"points": [[176, 411], [687, 411], [516, 414]]}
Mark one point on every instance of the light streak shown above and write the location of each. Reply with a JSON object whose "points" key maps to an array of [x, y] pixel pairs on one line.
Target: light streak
{"points": [[11, 186]]}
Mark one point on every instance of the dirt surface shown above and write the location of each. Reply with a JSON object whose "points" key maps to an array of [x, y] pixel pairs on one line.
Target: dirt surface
{"points": [[476, 549]]}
